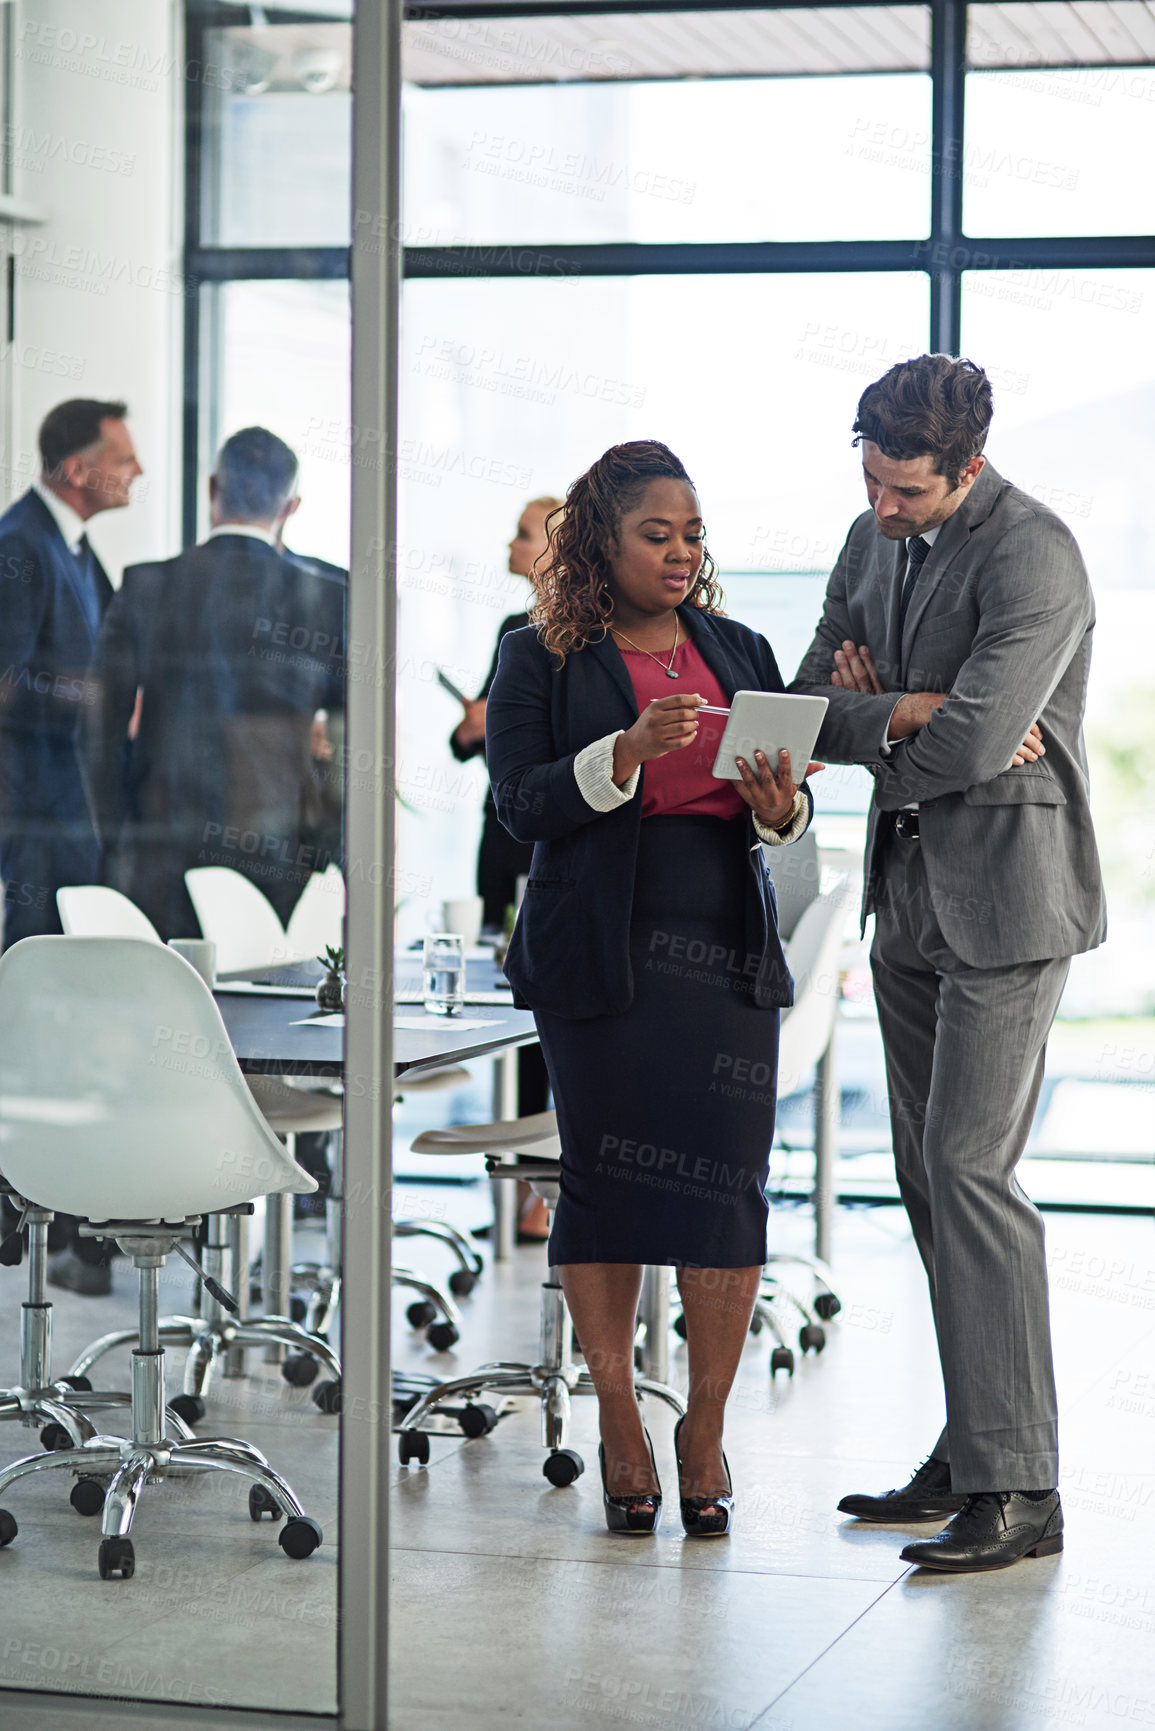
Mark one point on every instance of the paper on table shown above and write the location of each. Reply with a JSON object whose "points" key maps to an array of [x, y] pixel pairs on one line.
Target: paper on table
{"points": [[336, 1019], [439, 1024]]}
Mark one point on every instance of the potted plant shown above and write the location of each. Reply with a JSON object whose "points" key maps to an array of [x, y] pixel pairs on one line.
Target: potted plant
{"points": [[331, 988]]}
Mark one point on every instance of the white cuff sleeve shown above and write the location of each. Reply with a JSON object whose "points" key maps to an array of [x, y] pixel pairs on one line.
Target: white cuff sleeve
{"points": [[593, 769], [799, 822], [888, 744]]}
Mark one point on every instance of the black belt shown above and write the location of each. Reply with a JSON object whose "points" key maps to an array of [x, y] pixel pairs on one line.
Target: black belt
{"points": [[906, 825]]}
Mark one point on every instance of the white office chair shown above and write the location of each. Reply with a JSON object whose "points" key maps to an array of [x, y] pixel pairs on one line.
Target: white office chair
{"points": [[555, 1377], [239, 918], [220, 1334], [92, 911], [318, 920], [805, 1042], [121, 1102]]}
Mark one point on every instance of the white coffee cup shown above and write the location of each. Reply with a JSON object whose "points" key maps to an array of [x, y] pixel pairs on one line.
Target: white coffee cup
{"points": [[201, 954], [464, 916]]}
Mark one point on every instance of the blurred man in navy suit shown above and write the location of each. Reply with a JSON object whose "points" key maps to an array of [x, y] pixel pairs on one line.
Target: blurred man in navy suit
{"points": [[53, 595], [232, 648]]}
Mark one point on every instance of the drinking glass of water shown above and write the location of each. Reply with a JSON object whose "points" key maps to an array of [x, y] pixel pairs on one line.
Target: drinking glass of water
{"points": [[443, 973]]}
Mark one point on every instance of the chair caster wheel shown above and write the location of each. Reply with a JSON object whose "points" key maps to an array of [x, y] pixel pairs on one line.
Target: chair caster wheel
{"points": [[190, 1407], [812, 1336], [441, 1336], [53, 1437], [413, 1445], [298, 1309], [478, 1420], [327, 1396], [563, 1467], [756, 1324], [462, 1282], [299, 1537], [262, 1503], [782, 1359], [87, 1496], [80, 1384], [421, 1313], [680, 1325], [8, 1528], [116, 1557], [300, 1369], [826, 1305]]}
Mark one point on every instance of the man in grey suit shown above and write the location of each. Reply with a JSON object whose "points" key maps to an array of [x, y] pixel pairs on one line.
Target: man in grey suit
{"points": [[954, 647]]}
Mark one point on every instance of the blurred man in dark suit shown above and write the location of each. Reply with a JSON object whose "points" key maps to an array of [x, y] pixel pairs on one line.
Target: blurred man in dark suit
{"points": [[53, 594], [233, 647]]}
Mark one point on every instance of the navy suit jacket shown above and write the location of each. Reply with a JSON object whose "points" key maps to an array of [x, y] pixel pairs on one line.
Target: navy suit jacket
{"points": [[46, 644], [570, 951], [233, 646]]}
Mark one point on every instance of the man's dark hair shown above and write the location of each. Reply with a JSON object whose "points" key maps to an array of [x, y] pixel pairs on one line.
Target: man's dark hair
{"points": [[74, 426], [255, 475], [934, 406]]}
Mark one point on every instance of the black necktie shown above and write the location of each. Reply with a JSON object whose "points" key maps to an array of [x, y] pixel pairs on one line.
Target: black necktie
{"points": [[86, 564], [916, 552]]}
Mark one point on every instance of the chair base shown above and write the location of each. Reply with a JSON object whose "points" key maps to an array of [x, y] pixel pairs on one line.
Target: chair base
{"points": [[59, 1404], [131, 1465], [553, 1381], [211, 1339]]}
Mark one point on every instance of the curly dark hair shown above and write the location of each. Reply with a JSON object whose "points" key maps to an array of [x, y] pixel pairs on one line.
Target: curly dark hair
{"points": [[573, 604], [933, 406]]}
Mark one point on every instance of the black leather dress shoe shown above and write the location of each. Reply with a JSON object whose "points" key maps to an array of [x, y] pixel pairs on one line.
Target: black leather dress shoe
{"points": [[926, 1498], [991, 1531]]}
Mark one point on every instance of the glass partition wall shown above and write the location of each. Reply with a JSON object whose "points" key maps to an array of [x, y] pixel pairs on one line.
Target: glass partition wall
{"points": [[712, 226]]}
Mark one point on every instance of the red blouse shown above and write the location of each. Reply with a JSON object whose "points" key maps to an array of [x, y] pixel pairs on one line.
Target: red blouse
{"points": [[681, 783]]}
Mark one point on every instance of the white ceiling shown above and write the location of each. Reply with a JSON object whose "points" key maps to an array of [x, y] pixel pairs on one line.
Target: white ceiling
{"points": [[717, 42]]}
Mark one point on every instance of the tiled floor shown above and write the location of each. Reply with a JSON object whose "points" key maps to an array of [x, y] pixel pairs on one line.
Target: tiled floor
{"points": [[511, 1603]]}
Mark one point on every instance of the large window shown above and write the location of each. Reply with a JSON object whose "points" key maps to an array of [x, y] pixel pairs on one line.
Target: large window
{"points": [[713, 228]]}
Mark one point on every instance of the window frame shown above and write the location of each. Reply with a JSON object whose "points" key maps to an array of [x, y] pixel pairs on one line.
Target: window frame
{"points": [[945, 255]]}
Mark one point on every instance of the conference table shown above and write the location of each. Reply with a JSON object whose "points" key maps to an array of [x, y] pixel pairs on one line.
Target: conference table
{"points": [[276, 1028]]}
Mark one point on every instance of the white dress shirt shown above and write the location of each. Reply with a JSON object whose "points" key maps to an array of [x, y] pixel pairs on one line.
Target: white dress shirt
{"points": [[70, 523], [256, 530]]}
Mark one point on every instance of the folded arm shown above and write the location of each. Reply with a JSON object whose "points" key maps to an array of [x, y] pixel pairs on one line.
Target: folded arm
{"points": [[855, 722], [1035, 605]]}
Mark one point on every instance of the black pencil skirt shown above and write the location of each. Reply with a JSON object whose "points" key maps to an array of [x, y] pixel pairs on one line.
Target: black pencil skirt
{"points": [[666, 1112]]}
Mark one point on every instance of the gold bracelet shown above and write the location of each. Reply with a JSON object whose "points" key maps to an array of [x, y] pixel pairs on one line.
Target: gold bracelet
{"points": [[789, 819]]}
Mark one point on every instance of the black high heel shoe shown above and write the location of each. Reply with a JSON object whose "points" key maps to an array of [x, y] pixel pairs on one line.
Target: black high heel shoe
{"points": [[699, 1524], [637, 1514]]}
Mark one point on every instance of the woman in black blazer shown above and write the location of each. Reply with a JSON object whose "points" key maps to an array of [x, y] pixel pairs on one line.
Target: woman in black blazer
{"points": [[647, 945]]}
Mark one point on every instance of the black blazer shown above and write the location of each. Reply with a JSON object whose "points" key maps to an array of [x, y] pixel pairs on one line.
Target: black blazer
{"points": [[233, 646], [570, 950], [47, 637]]}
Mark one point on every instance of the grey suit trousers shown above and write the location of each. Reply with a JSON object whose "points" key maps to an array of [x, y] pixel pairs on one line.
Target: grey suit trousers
{"points": [[965, 1049]]}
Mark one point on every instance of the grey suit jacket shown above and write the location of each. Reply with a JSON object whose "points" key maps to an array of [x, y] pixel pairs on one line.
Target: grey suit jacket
{"points": [[1001, 618]]}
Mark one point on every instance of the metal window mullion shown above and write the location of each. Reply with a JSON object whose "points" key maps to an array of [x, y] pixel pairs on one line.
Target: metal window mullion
{"points": [[948, 23]]}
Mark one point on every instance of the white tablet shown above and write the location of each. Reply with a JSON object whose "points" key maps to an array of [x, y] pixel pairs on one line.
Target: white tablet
{"points": [[769, 721]]}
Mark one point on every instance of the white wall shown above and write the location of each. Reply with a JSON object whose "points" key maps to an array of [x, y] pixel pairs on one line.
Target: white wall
{"points": [[99, 296]]}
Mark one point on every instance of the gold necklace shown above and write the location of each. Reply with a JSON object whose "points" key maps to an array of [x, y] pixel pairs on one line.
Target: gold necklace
{"points": [[668, 666]]}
